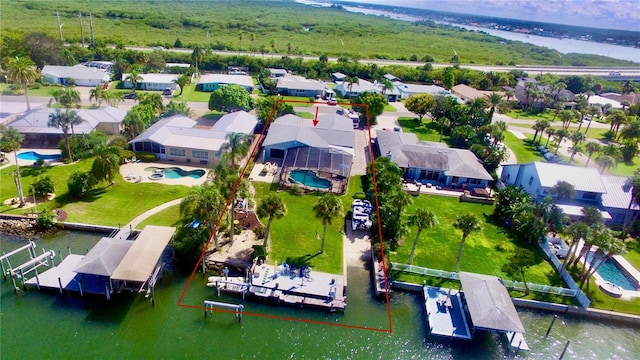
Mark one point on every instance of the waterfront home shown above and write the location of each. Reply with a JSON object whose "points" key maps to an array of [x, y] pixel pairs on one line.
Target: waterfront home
{"points": [[75, 75], [212, 82], [432, 163], [178, 138], [34, 124], [607, 193]]}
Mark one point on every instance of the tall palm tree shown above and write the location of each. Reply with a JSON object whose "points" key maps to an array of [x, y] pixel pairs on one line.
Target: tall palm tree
{"points": [[566, 116], [182, 81], [422, 218], [350, 81], [576, 231], [327, 207], [10, 141], [594, 110], [62, 120], [605, 162], [23, 71], [153, 99], [387, 85], [612, 247], [238, 147], [196, 56], [494, 100], [577, 138], [271, 206], [134, 77], [550, 132], [206, 204], [560, 135], [106, 164], [99, 94], [591, 147], [540, 126], [466, 223]]}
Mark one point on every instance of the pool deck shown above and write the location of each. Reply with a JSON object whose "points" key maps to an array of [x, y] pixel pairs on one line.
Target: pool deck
{"points": [[445, 313], [135, 172], [11, 157]]}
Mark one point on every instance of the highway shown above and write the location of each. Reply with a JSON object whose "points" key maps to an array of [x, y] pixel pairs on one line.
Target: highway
{"points": [[621, 73]]}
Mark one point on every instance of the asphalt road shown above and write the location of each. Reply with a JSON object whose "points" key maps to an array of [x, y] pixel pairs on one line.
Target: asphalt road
{"points": [[533, 69]]}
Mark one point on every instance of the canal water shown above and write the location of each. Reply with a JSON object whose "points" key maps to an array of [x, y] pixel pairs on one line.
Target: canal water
{"points": [[48, 325]]}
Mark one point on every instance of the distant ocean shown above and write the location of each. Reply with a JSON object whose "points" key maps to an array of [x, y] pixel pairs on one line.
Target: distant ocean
{"points": [[564, 46]]}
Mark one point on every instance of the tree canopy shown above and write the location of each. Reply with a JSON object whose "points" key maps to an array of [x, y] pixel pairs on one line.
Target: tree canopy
{"points": [[230, 98], [375, 104], [420, 104]]}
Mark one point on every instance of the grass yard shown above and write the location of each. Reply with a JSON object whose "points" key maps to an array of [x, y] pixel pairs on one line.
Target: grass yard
{"points": [[427, 130], [293, 101], [106, 205], [43, 91], [484, 252], [521, 114], [293, 238], [390, 108], [189, 93], [167, 217], [524, 151], [305, 115]]}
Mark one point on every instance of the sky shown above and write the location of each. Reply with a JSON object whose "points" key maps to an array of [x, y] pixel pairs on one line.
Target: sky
{"points": [[608, 14]]}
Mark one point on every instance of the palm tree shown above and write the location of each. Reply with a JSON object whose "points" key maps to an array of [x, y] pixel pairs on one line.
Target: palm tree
{"points": [[21, 70], [206, 204], [153, 99], [576, 231], [350, 81], [106, 164], [74, 119], [591, 147], [616, 119], [467, 223], [252, 38], [422, 218], [386, 86], [563, 191], [560, 135], [594, 110], [605, 162], [566, 116], [133, 77], [238, 147], [633, 184], [576, 139], [550, 132], [196, 56], [67, 97], [612, 247], [540, 126], [327, 207], [182, 81], [62, 121], [631, 131], [493, 100], [271, 206], [10, 141], [97, 94]]}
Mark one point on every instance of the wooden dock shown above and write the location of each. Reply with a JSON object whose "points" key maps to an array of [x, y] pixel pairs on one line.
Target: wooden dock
{"points": [[516, 341], [58, 276]]}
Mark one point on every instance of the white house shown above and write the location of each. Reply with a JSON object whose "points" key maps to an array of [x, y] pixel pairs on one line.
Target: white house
{"points": [[75, 75], [157, 82], [178, 138], [211, 82], [347, 89], [292, 85], [407, 90]]}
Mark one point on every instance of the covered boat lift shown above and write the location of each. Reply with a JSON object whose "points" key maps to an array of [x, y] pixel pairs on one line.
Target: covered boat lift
{"points": [[141, 266], [491, 308]]}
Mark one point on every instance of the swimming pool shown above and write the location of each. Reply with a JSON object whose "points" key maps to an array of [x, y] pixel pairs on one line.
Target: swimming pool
{"points": [[178, 173], [310, 179], [34, 156], [611, 272]]}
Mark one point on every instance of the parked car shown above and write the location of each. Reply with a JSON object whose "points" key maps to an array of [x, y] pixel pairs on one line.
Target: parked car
{"points": [[130, 95], [332, 101], [167, 92]]}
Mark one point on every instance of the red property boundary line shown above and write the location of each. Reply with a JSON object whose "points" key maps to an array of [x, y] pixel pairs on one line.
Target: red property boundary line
{"points": [[229, 201]]}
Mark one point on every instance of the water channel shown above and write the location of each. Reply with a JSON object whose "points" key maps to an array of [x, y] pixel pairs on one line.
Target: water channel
{"points": [[48, 325]]}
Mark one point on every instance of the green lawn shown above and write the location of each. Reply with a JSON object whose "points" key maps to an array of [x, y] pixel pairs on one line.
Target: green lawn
{"points": [[484, 252], [189, 93], [524, 152], [167, 217], [106, 205], [427, 130], [293, 238], [390, 108], [521, 114], [293, 101], [43, 91], [305, 115]]}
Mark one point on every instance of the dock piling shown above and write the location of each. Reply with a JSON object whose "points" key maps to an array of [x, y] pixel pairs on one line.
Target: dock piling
{"points": [[565, 349], [551, 325]]}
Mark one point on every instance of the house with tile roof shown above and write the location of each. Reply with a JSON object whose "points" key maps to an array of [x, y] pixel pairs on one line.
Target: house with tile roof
{"points": [[34, 124], [178, 138], [432, 163]]}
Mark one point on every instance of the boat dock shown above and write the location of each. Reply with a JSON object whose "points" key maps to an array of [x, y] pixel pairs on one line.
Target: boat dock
{"points": [[313, 289], [445, 313], [516, 341]]}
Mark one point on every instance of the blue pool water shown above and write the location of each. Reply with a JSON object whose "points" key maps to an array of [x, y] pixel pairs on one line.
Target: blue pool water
{"points": [[34, 156], [610, 272], [310, 179], [177, 173]]}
